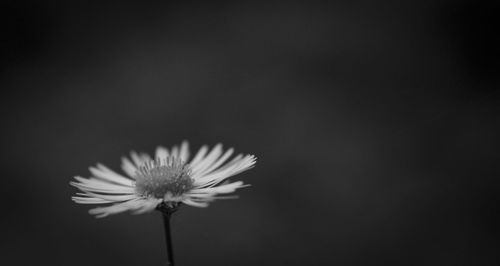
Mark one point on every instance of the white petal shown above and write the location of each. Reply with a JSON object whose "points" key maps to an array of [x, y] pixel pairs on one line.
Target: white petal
{"points": [[98, 185], [114, 198], [207, 161], [148, 206], [128, 167], [225, 172], [86, 188], [139, 159], [184, 152], [210, 198], [214, 165], [96, 182], [161, 152], [86, 200], [226, 188], [195, 204], [134, 204], [199, 156], [175, 152], [106, 174]]}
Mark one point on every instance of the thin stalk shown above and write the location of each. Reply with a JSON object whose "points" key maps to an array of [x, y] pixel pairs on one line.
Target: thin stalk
{"points": [[168, 237]]}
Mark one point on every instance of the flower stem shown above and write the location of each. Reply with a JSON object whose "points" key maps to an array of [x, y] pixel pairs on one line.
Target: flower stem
{"points": [[168, 237]]}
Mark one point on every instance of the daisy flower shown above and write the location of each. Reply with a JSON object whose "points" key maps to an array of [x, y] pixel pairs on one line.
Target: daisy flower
{"points": [[162, 182]]}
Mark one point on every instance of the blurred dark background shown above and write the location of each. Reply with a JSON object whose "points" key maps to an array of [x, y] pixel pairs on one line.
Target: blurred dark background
{"points": [[375, 124]]}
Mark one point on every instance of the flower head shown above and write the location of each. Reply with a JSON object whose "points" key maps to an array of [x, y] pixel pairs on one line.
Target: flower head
{"points": [[165, 180]]}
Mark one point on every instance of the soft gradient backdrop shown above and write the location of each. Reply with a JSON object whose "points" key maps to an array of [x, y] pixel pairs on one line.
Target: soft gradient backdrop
{"points": [[375, 125]]}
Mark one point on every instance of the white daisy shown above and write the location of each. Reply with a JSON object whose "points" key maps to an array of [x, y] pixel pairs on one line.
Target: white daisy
{"points": [[164, 181]]}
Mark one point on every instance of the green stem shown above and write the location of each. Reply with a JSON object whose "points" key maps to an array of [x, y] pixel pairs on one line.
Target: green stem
{"points": [[168, 237]]}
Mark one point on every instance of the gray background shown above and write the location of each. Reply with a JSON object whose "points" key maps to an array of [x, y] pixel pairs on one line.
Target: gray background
{"points": [[375, 125]]}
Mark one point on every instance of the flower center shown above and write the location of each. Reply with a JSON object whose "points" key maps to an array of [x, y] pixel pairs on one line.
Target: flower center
{"points": [[163, 176]]}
